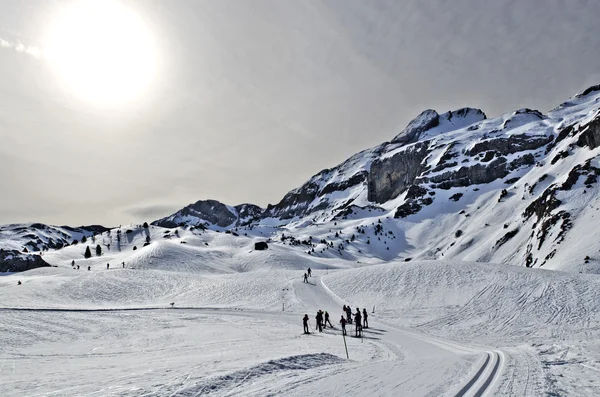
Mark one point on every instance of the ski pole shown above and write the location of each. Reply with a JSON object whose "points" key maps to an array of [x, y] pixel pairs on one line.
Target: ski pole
{"points": [[346, 346]]}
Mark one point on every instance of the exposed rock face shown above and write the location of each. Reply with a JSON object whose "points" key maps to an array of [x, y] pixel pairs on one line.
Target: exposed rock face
{"points": [[512, 144], [393, 175], [14, 261], [590, 136], [478, 173], [247, 213]]}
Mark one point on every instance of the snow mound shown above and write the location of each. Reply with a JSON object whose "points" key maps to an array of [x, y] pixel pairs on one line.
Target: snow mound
{"points": [[269, 369]]}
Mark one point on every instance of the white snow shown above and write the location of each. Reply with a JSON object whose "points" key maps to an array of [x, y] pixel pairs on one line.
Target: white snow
{"points": [[202, 312]]}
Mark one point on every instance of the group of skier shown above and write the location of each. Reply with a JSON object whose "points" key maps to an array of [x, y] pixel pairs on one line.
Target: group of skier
{"points": [[322, 318], [90, 268], [307, 275]]}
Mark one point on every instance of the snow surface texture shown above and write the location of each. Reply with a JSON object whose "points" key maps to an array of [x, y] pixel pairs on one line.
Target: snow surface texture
{"points": [[421, 232], [443, 328]]}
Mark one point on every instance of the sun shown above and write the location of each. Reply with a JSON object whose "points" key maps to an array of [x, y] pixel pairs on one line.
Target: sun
{"points": [[102, 51]]}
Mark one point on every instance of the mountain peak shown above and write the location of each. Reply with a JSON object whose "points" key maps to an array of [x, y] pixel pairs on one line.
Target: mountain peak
{"points": [[430, 123]]}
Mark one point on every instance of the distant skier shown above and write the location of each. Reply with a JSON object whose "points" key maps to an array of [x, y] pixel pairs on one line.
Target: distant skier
{"points": [[357, 323], [123, 265], [305, 322], [77, 267], [107, 266], [349, 314], [89, 268], [73, 262], [343, 322], [319, 318], [305, 278], [309, 272], [327, 320], [19, 282], [365, 316]]}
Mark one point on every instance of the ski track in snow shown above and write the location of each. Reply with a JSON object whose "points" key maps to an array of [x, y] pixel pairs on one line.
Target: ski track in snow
{"points": [[439, 328]]}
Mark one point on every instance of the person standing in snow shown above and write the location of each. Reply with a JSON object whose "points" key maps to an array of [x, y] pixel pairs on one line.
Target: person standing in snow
{"points": [[357, 322], [309, 272], [305, 278], [305, 322], [343, 322], [349, 314], [327, 320], [365, 321], [89, 268], [319, 319], [107, 266]]}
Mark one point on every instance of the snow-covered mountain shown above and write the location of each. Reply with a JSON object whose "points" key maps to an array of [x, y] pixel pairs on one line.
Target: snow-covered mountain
{"points": [[212, 213], [516, 189], [519, 188], [22, 245]]}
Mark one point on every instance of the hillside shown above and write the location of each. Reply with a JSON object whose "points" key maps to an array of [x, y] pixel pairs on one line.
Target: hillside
{"points": [[518, 189]]}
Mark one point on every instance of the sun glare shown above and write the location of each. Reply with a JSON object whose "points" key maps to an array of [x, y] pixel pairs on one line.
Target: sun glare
{"points": [[102, 51]]}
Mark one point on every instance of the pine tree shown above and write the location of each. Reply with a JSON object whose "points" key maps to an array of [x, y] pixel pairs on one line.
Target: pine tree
{"points": [[88, 253], [83, 239], [98, 250]]}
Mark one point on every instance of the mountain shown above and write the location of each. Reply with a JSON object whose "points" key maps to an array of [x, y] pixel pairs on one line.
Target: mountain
{"points": [[212, 213], [22, 245], [516, 189], [519, 188]]}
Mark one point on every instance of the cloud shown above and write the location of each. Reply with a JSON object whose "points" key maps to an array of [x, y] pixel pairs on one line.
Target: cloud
{"points": [[34, 51], [152, 211]]}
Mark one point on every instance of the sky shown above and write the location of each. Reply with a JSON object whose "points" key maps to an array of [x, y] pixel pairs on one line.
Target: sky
{"points": [[242, 101]]}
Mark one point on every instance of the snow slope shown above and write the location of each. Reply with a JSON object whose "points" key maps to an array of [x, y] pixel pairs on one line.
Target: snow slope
{"points": [[438, 327], [188, 306]]}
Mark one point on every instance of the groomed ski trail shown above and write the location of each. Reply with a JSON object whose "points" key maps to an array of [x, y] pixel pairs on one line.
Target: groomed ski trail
{"points": [[407, 346]]}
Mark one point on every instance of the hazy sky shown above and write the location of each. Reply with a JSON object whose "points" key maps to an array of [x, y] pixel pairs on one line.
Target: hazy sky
{"points": [[251, 98]]}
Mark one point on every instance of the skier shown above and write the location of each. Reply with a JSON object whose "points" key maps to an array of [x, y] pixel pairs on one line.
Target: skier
{"points": [[73, 262], [107, 266], [319, 319], [89, 268], [309, 272], [343, 322], [305, 322], [365, 321], [305, 278], [19, 282], [77, 267], [123, 265], [357, 323], [349, 314], [327, 320]]}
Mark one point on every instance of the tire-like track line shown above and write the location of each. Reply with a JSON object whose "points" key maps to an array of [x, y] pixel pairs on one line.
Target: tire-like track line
{"points": [[490, 378], [475, 378]]}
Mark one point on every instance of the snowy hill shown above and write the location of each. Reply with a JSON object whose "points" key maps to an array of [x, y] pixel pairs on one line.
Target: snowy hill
{"points": [[22, 245]]}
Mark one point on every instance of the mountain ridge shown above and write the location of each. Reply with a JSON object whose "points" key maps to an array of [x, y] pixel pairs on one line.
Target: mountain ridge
{"points": [[519, 189]]}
